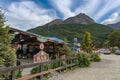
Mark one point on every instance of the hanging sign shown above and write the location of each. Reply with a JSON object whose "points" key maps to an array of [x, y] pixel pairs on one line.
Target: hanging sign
{"points": [[41, 46]]}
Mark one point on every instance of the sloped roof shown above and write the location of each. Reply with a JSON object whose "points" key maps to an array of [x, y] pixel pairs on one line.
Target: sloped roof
{"points": [[39, 37], [42, 39], [23, 32], [56, 39]]}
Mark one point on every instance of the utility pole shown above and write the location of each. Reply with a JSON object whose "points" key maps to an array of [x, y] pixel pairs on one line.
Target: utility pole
{"points": [[48, 31], [48, 28]]}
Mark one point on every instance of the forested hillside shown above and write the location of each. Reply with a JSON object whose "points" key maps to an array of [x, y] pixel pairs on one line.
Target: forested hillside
{"points": [[67, 32]]}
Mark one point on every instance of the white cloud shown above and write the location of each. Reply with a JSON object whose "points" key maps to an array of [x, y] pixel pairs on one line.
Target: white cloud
{"points": [[89, 7], [114, 15], [26, 14], [114, 18], [64, 7], [109, 5]]}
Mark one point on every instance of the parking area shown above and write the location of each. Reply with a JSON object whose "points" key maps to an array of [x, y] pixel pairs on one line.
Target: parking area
{"points": [[107, 69]]}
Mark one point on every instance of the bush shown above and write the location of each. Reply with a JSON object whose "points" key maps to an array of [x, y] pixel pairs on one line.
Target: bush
{"points": [[55, 65], [47, 67], [35, 70], [18, 74], [5, 76], [76, 61], [64, 50], [95, 58], [84, 60]]}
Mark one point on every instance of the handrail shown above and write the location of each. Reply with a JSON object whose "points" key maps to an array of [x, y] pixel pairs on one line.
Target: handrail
{"points": [[14, 68], [42, 73], [8, 69]]}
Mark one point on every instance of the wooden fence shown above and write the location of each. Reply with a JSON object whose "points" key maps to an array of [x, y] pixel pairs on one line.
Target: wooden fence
{"points": [[42, 72]]}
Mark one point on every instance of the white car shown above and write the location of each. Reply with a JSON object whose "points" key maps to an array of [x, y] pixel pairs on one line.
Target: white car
{"points": [[104, 51], [117, 52]]}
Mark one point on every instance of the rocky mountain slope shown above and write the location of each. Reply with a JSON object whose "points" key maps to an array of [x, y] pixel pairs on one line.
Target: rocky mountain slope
{"points": [[80, 18], [115, 25]]}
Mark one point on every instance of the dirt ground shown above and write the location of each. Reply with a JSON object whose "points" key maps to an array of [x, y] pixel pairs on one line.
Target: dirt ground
{"points": [[107, 69]]}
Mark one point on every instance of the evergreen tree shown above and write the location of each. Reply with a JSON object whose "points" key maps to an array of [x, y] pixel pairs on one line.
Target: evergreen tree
{"points": [[7, 54], [114, 38], [87, 43]]}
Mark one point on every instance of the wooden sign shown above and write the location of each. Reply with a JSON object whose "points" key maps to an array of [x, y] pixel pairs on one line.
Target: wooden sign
{"points": [[41, 57]]}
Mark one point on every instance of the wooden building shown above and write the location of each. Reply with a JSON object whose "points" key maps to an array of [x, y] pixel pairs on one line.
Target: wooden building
{"points": [[27, 44]]}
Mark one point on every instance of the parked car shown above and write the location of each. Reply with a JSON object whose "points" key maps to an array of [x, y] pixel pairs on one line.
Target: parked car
{"points": [[117, 52], [104, 51]]}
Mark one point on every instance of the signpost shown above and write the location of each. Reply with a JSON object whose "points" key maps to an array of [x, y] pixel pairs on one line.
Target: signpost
{"points": [[75, 40], [41, 56], [76, 46]]}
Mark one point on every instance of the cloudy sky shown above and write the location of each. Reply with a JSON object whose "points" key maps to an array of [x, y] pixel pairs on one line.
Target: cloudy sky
{"points": [[26, 14]]}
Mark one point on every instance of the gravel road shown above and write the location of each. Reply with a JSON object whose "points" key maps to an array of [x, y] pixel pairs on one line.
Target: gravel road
{"points": [[107, 69]]}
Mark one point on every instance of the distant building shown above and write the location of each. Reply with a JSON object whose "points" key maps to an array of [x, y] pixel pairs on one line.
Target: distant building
{"points": [[27, 43]]}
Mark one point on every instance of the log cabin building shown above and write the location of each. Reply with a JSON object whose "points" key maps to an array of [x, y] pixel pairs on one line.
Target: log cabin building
{"points": [[27, 44]]}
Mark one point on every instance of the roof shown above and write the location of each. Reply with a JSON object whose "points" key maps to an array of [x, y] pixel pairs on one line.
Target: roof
{"points": [[56, 39], [39, 37], [23, 32], [42, 39]]}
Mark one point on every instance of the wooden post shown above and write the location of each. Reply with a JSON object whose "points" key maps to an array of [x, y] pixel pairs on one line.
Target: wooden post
{"points": [[66, 65], [13, 75], [41, 69], [71, 62], [54, 48], [60, 65]]}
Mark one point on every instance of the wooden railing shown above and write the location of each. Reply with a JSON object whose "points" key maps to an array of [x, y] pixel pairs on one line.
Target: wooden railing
{"points": [[41, 64]]}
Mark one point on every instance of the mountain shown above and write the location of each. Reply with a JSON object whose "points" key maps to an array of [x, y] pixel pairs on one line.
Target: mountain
{"points": [[75, 27], [67, 32], [115, 25], [80, 18], [55, 22]]}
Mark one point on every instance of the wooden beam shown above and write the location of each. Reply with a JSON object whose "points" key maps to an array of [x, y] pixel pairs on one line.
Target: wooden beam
{"points": [[8, 69], [45, 72]]}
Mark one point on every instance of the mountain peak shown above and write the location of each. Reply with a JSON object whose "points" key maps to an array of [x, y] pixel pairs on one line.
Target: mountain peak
{"points": [[80, 18], [55, 22], [81, 14]]}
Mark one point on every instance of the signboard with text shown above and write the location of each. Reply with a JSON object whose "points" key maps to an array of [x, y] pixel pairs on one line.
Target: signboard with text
{"points": [[41, 57]]}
